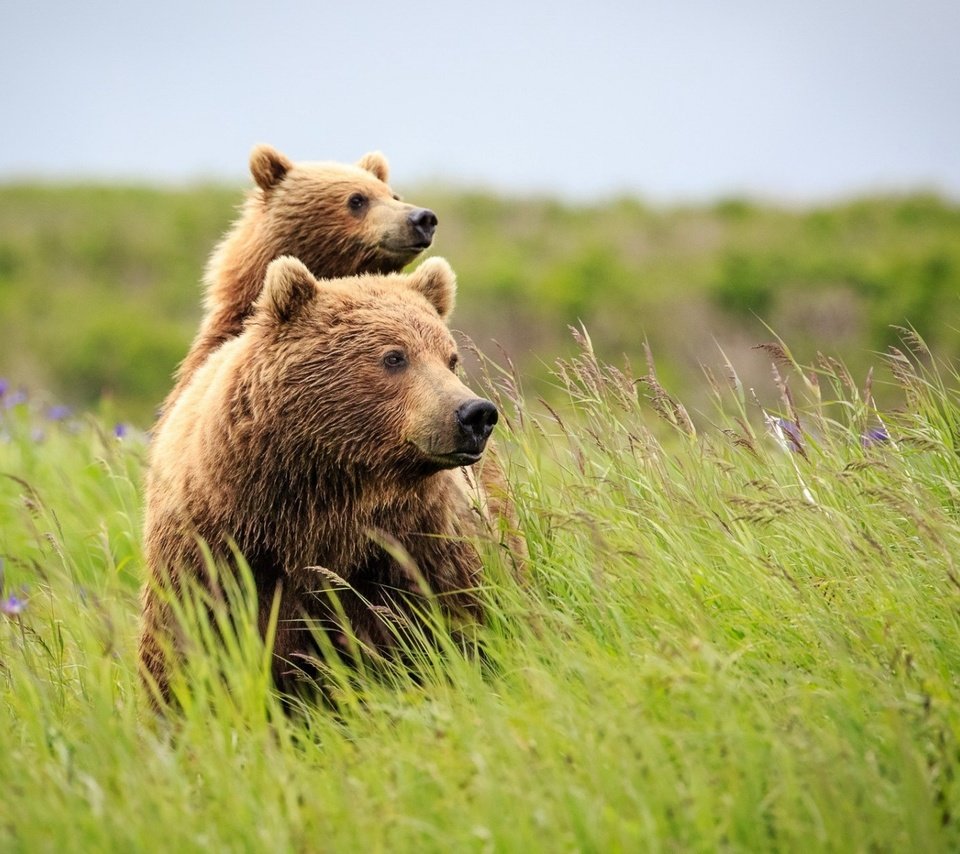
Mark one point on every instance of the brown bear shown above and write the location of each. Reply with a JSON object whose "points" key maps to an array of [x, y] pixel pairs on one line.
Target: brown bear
{"points": [[333, 430], [339, 220]]}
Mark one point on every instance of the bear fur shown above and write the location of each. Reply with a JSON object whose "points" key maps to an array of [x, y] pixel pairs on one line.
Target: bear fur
{"points": [[329, 432], [339, 220]]}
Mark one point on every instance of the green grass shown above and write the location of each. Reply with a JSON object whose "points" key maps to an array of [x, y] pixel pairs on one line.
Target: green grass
{"points": [[100, 286], [722, 645]]}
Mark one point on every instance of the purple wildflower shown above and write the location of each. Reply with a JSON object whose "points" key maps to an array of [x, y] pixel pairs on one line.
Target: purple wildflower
{"points": [[120, 430], [15, 399], [792, 433], [4, 385], [874, 436], [59, 412], [786, 432], [12, 606]]}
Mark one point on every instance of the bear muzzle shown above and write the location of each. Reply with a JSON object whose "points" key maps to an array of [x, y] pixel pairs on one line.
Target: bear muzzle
{"points": [[475, 422], [424, 223]]}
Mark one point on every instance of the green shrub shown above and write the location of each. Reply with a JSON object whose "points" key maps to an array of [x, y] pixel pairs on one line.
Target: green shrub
{"points": [[100, 286]]}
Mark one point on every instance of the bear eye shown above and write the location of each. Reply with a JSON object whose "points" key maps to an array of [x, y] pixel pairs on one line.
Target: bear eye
{"points": [[454, 361], [395, 360], [357, 202]]}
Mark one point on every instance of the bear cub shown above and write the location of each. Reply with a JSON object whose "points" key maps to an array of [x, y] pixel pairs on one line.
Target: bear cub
{"points": [[338, 219]]}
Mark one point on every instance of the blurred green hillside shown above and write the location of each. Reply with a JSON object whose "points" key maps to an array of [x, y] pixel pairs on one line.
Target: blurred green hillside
{"points": [[100, 286]]}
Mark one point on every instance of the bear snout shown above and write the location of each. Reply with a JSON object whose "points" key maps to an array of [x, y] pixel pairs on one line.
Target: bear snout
{"points": [[476, 419], [424, 223]]}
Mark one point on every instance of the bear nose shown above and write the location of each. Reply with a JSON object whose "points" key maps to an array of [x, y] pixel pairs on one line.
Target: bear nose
{"points": [[424, 222], [476, 419]]}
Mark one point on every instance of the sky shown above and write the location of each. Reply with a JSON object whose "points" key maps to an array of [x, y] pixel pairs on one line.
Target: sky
{"points": [[678, 100]]}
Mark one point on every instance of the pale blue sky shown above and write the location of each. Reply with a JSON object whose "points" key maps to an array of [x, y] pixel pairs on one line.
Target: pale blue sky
{"points": [[669, 100]]}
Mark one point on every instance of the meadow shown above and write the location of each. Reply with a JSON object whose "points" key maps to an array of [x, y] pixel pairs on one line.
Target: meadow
{"points": [[739, 639], [741, 625]]}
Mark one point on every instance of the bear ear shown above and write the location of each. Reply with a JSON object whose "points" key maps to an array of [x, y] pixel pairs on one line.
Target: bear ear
{"points": [[287, 289], [268, 166], [435, 279], [376, 164]]}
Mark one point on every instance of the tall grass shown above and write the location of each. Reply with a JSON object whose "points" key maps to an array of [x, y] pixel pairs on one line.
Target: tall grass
{"points": [[741, 631]]}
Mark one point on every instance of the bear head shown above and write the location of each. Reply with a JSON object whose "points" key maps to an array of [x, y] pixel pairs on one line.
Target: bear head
{"points": [[338, 219], [364, 370]]}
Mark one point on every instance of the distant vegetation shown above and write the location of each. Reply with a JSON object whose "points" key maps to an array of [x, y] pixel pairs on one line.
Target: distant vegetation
{"points": [[100, 286]]}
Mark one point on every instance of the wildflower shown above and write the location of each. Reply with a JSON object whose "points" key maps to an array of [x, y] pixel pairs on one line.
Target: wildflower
{"points": [[4, 385], [58, 413], [120, 430], [787, 433], [12, 606], [15, 399], [874, 436]]}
